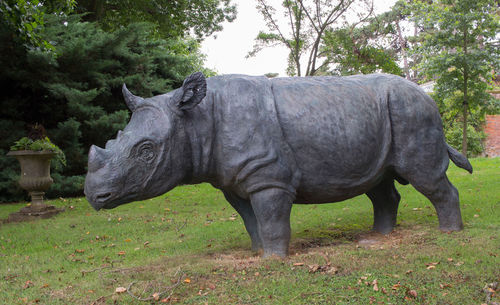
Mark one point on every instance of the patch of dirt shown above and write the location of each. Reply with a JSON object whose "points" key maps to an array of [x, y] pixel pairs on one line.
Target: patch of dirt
{"points": [[374, 240], [235, 260], [367, 240]]}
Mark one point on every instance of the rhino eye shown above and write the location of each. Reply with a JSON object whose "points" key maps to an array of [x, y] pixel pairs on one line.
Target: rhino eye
{"points": [[146, 151]]}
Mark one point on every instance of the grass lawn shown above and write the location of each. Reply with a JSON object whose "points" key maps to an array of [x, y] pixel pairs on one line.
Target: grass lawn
{"points": [[193, 240]]}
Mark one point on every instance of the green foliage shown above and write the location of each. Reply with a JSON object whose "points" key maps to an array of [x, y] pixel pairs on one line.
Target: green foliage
{"points": [[453, 122], [171, 18], [352, 52], [27, 18], [10, 131], [26, 143], [475, 138], [76, 94], [459, 51]]}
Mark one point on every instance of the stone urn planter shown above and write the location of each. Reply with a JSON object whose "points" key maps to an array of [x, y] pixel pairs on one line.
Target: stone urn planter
{"points": [[35, 178]]}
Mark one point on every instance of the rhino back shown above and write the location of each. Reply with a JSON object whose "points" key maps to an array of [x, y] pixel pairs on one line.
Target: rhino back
{"points": [[339, 130]]}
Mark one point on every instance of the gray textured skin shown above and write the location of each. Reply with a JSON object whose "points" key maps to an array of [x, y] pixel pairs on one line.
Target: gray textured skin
{"points": [[268, 143]]}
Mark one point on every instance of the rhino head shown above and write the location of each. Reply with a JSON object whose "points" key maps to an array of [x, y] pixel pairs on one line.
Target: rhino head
{"points": [[151, 155]]}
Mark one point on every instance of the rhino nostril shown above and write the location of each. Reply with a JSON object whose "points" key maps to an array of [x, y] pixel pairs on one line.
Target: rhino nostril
{"points": [[102, 197]]}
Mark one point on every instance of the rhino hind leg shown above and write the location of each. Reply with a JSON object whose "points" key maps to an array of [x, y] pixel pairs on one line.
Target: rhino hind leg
{"points": [[272, 208], [444, 197], [385, 199], [244, 208]]}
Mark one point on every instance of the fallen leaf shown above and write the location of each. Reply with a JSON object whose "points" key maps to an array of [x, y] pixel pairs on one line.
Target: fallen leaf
{"points": [[384, 291], [332, 270], [313, 268], [298, 264], [409, 271], [128, 240], [375, 285], [412, 293], [28, 284], [121, 253], [79, 250], [395, 286], [430, 267], [187, 280], [156, 296], [476, 215], [146, 243], [450, 259], [120, 290]]}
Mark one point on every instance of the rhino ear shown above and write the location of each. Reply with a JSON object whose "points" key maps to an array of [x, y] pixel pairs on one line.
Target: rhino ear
{"points": [[131, 100], [192, 92]]}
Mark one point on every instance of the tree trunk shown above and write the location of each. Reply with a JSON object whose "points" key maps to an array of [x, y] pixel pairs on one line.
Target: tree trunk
{"points": [[464, 131], [402, 45], [465, 109]]}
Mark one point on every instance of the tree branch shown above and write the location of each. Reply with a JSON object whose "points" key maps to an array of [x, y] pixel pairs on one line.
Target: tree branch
{"points": [[273, 22]]}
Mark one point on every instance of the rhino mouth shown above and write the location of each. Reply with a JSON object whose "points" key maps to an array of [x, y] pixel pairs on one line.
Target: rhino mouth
{"points": [[109, 200], [101, 198]]}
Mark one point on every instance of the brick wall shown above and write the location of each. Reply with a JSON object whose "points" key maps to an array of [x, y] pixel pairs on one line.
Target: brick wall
{"points": [[492, 131]]}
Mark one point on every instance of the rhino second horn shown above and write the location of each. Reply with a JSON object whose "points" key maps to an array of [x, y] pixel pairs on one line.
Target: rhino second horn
{"points": [[97, 158], [131, 100]]}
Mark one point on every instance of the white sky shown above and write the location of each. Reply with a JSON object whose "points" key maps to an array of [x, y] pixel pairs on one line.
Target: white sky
{"points": [[226, 50]]}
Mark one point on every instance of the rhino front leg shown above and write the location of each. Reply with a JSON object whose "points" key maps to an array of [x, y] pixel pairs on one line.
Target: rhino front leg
{"points": [[272, 208], [385, 199], [244, 208]]}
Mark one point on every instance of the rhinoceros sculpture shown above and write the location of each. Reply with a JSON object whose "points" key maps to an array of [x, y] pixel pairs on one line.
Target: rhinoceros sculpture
{"points": [[268, 143]]}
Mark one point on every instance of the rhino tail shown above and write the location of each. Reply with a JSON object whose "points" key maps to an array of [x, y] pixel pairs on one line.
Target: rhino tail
{"points": [[459, 159]]}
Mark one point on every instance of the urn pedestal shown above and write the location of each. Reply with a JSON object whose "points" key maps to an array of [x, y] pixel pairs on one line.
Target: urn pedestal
{"points": [[35, 178]]}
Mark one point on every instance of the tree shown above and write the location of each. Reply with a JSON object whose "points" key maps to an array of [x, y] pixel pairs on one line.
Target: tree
{"points": [[27, 18], [76, 95], [173, 18], [362, 49], [459, 51], [305, 29]]}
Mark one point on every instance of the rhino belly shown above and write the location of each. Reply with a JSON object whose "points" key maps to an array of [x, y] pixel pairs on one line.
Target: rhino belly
{"points": [[339, 131]]}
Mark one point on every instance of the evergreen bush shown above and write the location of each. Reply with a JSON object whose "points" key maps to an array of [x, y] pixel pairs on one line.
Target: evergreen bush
{"points": [[76, 91]]}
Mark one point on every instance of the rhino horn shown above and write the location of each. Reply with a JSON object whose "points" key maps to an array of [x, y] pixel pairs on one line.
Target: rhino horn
{"points": [[131, 100], [97, 158]]}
